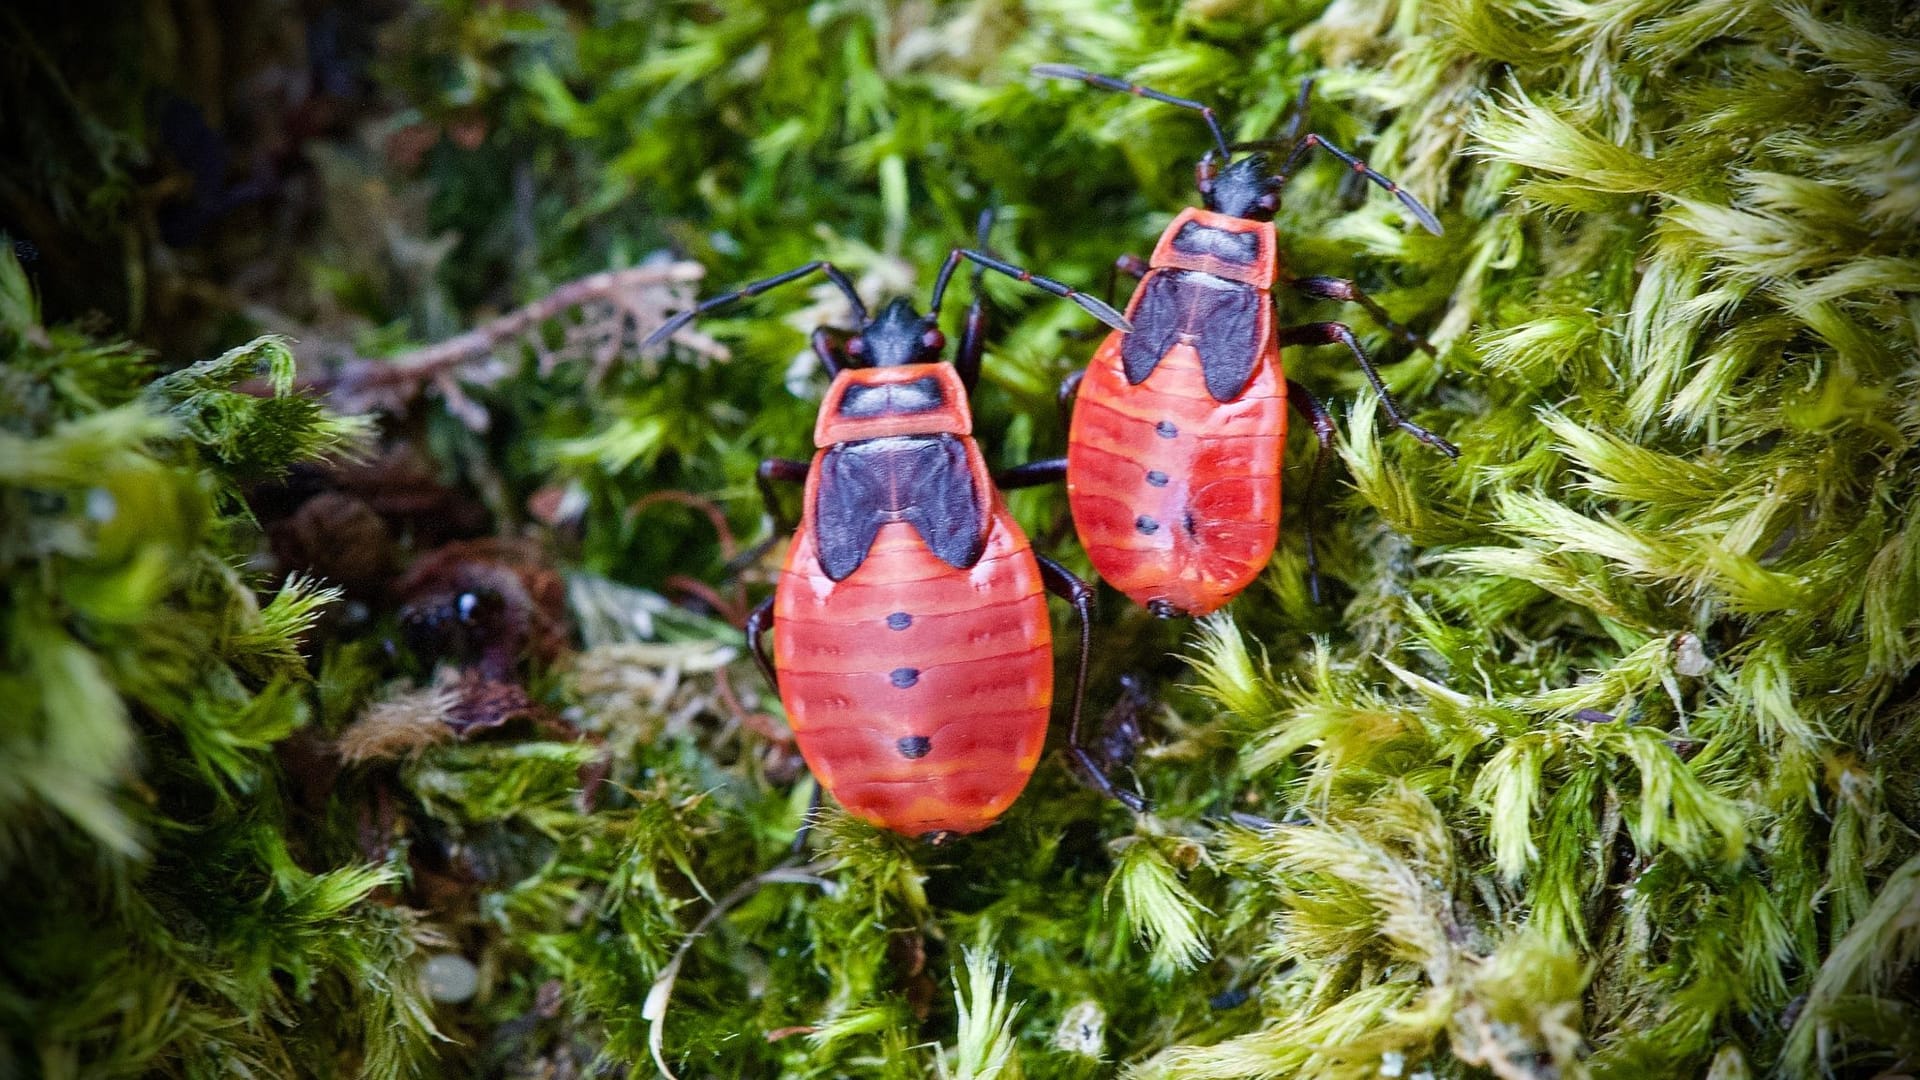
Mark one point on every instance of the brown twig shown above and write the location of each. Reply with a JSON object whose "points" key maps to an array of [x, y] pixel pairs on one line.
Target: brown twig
{"points": [[715, 517], [637, 295], [734, 610], [763, 724]]}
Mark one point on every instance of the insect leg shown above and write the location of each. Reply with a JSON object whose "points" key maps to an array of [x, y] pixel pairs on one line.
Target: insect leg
{"points": [[1066, 395], [1326, 333], [770, 470], [1296, 119], [1129, 264], [973, 336], [806, 823], [1032, 474], [1063, 583], [759, 621], [1309, 406], [1333, 288], [830, 345], [1299, 111], [783, 469]]}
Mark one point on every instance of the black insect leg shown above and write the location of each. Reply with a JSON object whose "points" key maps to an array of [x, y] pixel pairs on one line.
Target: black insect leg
{"points": [[830, 345], [807, 822], [770, 470], [1333, 288], [1063, 583], [1129, 264], [1316, 414], [1300, 107], [1064, 397], [1032, 474], [1326, 333], [1296, 120], [785, 470], [973, 342], [973, 336], [759, 621]]}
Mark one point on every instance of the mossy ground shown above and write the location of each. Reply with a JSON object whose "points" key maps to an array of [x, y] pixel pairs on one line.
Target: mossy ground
{"points": [[1600, 760]]}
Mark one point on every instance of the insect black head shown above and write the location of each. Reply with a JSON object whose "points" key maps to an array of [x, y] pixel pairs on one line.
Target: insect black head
{"points": [[1246, 188], [898, 335]]}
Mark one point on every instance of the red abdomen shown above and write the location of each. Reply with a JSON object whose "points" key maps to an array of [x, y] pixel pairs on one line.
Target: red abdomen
{"points": [[918, 692], [1176, 496]]}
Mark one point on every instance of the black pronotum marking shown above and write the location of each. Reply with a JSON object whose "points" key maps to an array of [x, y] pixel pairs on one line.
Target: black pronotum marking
{"points": [[1219, 318], [1156, 478], [1234, 247], [899, 620], [1146, 525], [923, 480], [865, 401], [914, 746], [904, 677]]}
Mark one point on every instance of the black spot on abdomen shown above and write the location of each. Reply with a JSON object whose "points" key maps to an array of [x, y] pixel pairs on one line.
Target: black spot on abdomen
{"points": [[1146, 525], [913, 747], [904, 677], [899, 620], [1156, 478], [1165, 429]]}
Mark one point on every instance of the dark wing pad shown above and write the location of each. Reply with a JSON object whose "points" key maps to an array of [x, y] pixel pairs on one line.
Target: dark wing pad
{"points": [[1157, 322], [923, 480], [1220, 318], [845, 520], [1229, 339]]}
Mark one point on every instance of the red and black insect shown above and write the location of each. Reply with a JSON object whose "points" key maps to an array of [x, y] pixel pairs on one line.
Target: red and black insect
{"points": [[911, 644], [1178, 430]]}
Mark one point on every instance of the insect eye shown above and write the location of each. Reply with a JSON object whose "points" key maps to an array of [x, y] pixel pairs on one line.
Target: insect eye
{"points": [[856, 346], [934, 339], [1270, 201]]}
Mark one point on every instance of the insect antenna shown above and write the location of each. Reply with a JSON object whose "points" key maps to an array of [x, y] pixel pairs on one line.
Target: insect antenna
{"points": [[1092, 305], [1105, 82], [755, 288], [1300, 149]]}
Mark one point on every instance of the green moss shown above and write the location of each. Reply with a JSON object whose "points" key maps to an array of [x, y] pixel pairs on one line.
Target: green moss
{"points": [[164, 910], [1598, 761]]}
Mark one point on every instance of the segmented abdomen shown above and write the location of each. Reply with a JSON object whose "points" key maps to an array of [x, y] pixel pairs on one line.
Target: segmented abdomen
{"points": [[919, 693], [1176, 496]]}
